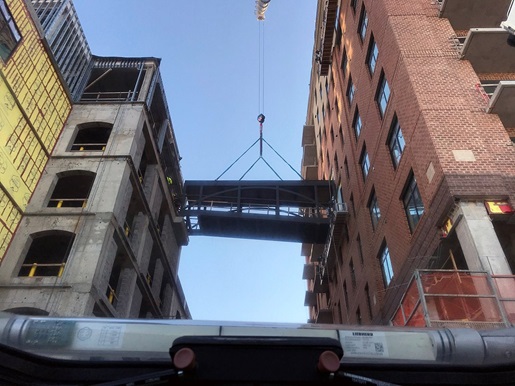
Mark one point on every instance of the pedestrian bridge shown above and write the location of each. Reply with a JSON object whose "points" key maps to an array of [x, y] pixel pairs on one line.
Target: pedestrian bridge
{"points": [[297, 211]]}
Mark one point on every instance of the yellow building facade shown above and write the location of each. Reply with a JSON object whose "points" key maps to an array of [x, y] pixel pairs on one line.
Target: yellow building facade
{"points": [[34, 106]]}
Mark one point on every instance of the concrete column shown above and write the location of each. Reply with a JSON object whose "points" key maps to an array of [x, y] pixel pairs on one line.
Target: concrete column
{"points": [[478, 240]]}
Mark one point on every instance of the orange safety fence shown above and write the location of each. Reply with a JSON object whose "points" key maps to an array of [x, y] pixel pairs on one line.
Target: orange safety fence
{"points": [[456, 296]]}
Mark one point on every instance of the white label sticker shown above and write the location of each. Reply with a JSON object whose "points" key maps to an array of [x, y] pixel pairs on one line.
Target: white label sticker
{"points": [[364, 344], [110, 336]]}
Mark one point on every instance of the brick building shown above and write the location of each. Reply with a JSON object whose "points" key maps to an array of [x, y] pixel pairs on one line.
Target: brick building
{"points": [[409, 113]]}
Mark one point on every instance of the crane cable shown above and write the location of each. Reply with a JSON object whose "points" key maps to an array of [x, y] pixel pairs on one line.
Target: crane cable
{"points": [[261, 68]]}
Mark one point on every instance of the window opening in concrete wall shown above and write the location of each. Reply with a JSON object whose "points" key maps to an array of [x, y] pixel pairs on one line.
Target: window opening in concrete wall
{"points": [[135, 207], [396, 142], [372, 53], [386, 265], [413, 204], [47, 254], [98, 311], [92, 137], [9, 33], [72, 190], [350, 91], [113, 290], [383, 94], [363, 23], [373, 207], [365, 163], [357, 124], [110, 82]]}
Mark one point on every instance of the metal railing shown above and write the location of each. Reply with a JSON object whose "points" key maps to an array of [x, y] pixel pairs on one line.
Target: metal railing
{"points": [[67, 202], [111, 294], [88, 146], [110, 96], [36, 268], [477, 299]]}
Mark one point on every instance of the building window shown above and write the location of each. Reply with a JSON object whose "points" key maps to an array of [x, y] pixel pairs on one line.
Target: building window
{"points": [[365, 163], [369, 303], [345, 60], [372, 53], [356, 123], [47, 254], [323, 111], [383, 94], [340, 134], [353, 4], [413, 204], [326, 87], [386, 265], [363, 24], [9, 33], [346, 295], [352, 272], [346, 166], [72, 190], [396, 142], [373, 207], [336, 165], [352, 204], [92, 137], [358, 316], [351, 89], [332, 134], [360, 250]]}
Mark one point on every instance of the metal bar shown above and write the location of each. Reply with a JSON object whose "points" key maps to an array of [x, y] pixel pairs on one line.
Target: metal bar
{"points": [[422, 298]]}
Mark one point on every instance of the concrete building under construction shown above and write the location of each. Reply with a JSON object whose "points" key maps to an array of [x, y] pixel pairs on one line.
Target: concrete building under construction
{"points": [[101, 234], [411, 114]]}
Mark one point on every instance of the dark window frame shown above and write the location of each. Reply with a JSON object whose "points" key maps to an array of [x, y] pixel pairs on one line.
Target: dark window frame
{"points": [[412, 201], [373, 208], [372, 54], [357, 123], [351, 91], [363, 24], [396, 142], [383, 94], [10, 30], [385, 260], [364, 161]]}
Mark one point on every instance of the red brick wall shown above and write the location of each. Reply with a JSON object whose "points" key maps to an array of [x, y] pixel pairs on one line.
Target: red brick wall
{"points": [[434, 96]]}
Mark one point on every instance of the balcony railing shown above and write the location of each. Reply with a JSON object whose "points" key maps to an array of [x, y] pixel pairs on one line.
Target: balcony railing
{"points": [[40, 269], [88, 147], [67, 202], [448, 298]]}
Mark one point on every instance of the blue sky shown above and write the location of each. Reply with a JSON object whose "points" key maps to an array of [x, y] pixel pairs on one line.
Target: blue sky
{"points": [[210, 68]]}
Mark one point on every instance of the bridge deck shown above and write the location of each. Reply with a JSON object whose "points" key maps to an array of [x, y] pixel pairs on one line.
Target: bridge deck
{"points": [[270, 210]]}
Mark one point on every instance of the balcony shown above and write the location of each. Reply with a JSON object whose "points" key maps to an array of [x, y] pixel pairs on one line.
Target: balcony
{"points": [[488, 51], [502, 100], [448, 298], [466, 14], [325, 316], [309, 272]]}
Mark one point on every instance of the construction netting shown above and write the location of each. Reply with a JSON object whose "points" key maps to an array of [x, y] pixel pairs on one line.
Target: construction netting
{"points": [[474, 299]]}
